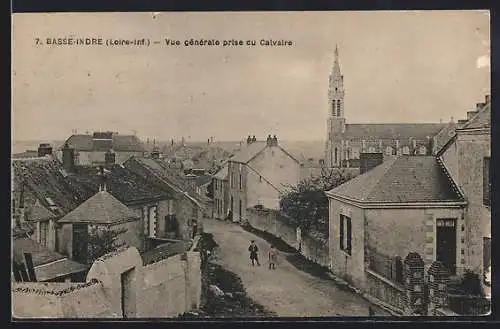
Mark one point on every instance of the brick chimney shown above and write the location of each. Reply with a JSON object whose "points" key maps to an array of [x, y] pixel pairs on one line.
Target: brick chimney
{"points": [[68, 158], [249, 140], [368, 161], [44, 149]]}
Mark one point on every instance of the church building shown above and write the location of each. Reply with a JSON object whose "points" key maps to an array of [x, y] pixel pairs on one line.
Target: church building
{"points": [[345, 142]]}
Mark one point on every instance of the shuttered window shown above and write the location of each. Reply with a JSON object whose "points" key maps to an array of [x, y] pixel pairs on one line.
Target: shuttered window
{"points": [[486, 181]]}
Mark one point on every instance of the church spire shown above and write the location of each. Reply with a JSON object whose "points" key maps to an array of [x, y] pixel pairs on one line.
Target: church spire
{"points": [[336, 66]]}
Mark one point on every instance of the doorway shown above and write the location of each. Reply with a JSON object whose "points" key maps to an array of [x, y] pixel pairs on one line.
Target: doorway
{"points": [[446, 243], [80, 243], [126, 293]]}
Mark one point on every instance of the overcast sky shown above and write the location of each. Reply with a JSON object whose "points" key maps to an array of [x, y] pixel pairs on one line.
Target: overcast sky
{"points": [[397, 66]]}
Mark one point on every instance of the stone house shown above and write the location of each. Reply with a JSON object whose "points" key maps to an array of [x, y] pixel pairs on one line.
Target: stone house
{"points": [[102, 212], [467, 157], [258, 175], [92, 149], [185, 208], [406, 204], [345, 142], [42, 194], [221, 193]]}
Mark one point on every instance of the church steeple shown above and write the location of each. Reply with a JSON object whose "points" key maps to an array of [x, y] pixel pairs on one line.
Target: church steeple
{"points": [[336, 89]]}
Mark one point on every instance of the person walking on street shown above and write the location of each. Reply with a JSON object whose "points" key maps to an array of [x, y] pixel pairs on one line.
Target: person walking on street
{"points": [[253, 249], [272, 258]]}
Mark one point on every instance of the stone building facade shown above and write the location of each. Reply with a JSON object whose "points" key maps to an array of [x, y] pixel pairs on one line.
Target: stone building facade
{"points": [[258, 175], [345, 142], [468, 156]]}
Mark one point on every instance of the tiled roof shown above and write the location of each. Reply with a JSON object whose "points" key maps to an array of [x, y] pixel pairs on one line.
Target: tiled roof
{"points": [[402, 179], [44, 179], [222, 173], [40, 254], [392, 131], [102, 208], [481, 120], [165, 251], [122, 183], [157, 171], [248, 152], [120, 143], [38, 212]]}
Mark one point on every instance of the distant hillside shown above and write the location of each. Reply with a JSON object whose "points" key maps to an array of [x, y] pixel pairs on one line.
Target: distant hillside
{"points": [[22, 146]]}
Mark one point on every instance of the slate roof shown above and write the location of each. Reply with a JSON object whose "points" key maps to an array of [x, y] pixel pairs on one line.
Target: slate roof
{"points": [[158, 172], [418, 131], [44, 179], [48, 264], [102, 208], [403, 179], [481, 120], [122, 183], [248, 152], [157, 169], [120, 143], [38, 212], [222, 174]]}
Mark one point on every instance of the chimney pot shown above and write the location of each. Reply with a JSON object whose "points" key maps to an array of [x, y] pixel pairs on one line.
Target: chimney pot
{"points": [[44, 149], [487, 99]]}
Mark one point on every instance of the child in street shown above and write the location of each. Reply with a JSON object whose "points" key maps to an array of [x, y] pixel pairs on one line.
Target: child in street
{"points": [[272, 258]]}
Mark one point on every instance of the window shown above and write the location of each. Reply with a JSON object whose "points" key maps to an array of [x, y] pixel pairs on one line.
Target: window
{"points": [[241, 185], [388, 150], [486, 181], [371, 149], [171, 225], [334, 106], [338, 108], [345, 234], [423, 150], [43, 232], [336, 155], [405, 150]]}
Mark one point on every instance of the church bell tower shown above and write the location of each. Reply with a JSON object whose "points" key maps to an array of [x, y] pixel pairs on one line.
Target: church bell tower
{"points": [[336, 119]]}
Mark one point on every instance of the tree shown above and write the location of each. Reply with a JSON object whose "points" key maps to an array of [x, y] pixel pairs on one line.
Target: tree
{"points": [[103, 240], [306, 203]]}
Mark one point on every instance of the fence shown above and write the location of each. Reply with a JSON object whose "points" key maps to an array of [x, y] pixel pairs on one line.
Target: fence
{"points": [[389, 267], [385, 290]]}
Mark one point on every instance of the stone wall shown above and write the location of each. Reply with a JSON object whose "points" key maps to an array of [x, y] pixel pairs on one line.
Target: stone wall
{"points": [[312, 246], [162, 289]]}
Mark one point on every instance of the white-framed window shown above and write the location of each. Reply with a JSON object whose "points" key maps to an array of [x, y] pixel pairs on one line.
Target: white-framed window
{"points": [[388, 150], [371, 149], [405, 150]]}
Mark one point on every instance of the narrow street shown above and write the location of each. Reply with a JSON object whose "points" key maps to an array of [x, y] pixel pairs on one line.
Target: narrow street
{"points": [[286, 290]]}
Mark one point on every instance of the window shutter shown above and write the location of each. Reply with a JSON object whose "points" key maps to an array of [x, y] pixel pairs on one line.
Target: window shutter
{"points": [[341, 232], [349, 235]]}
